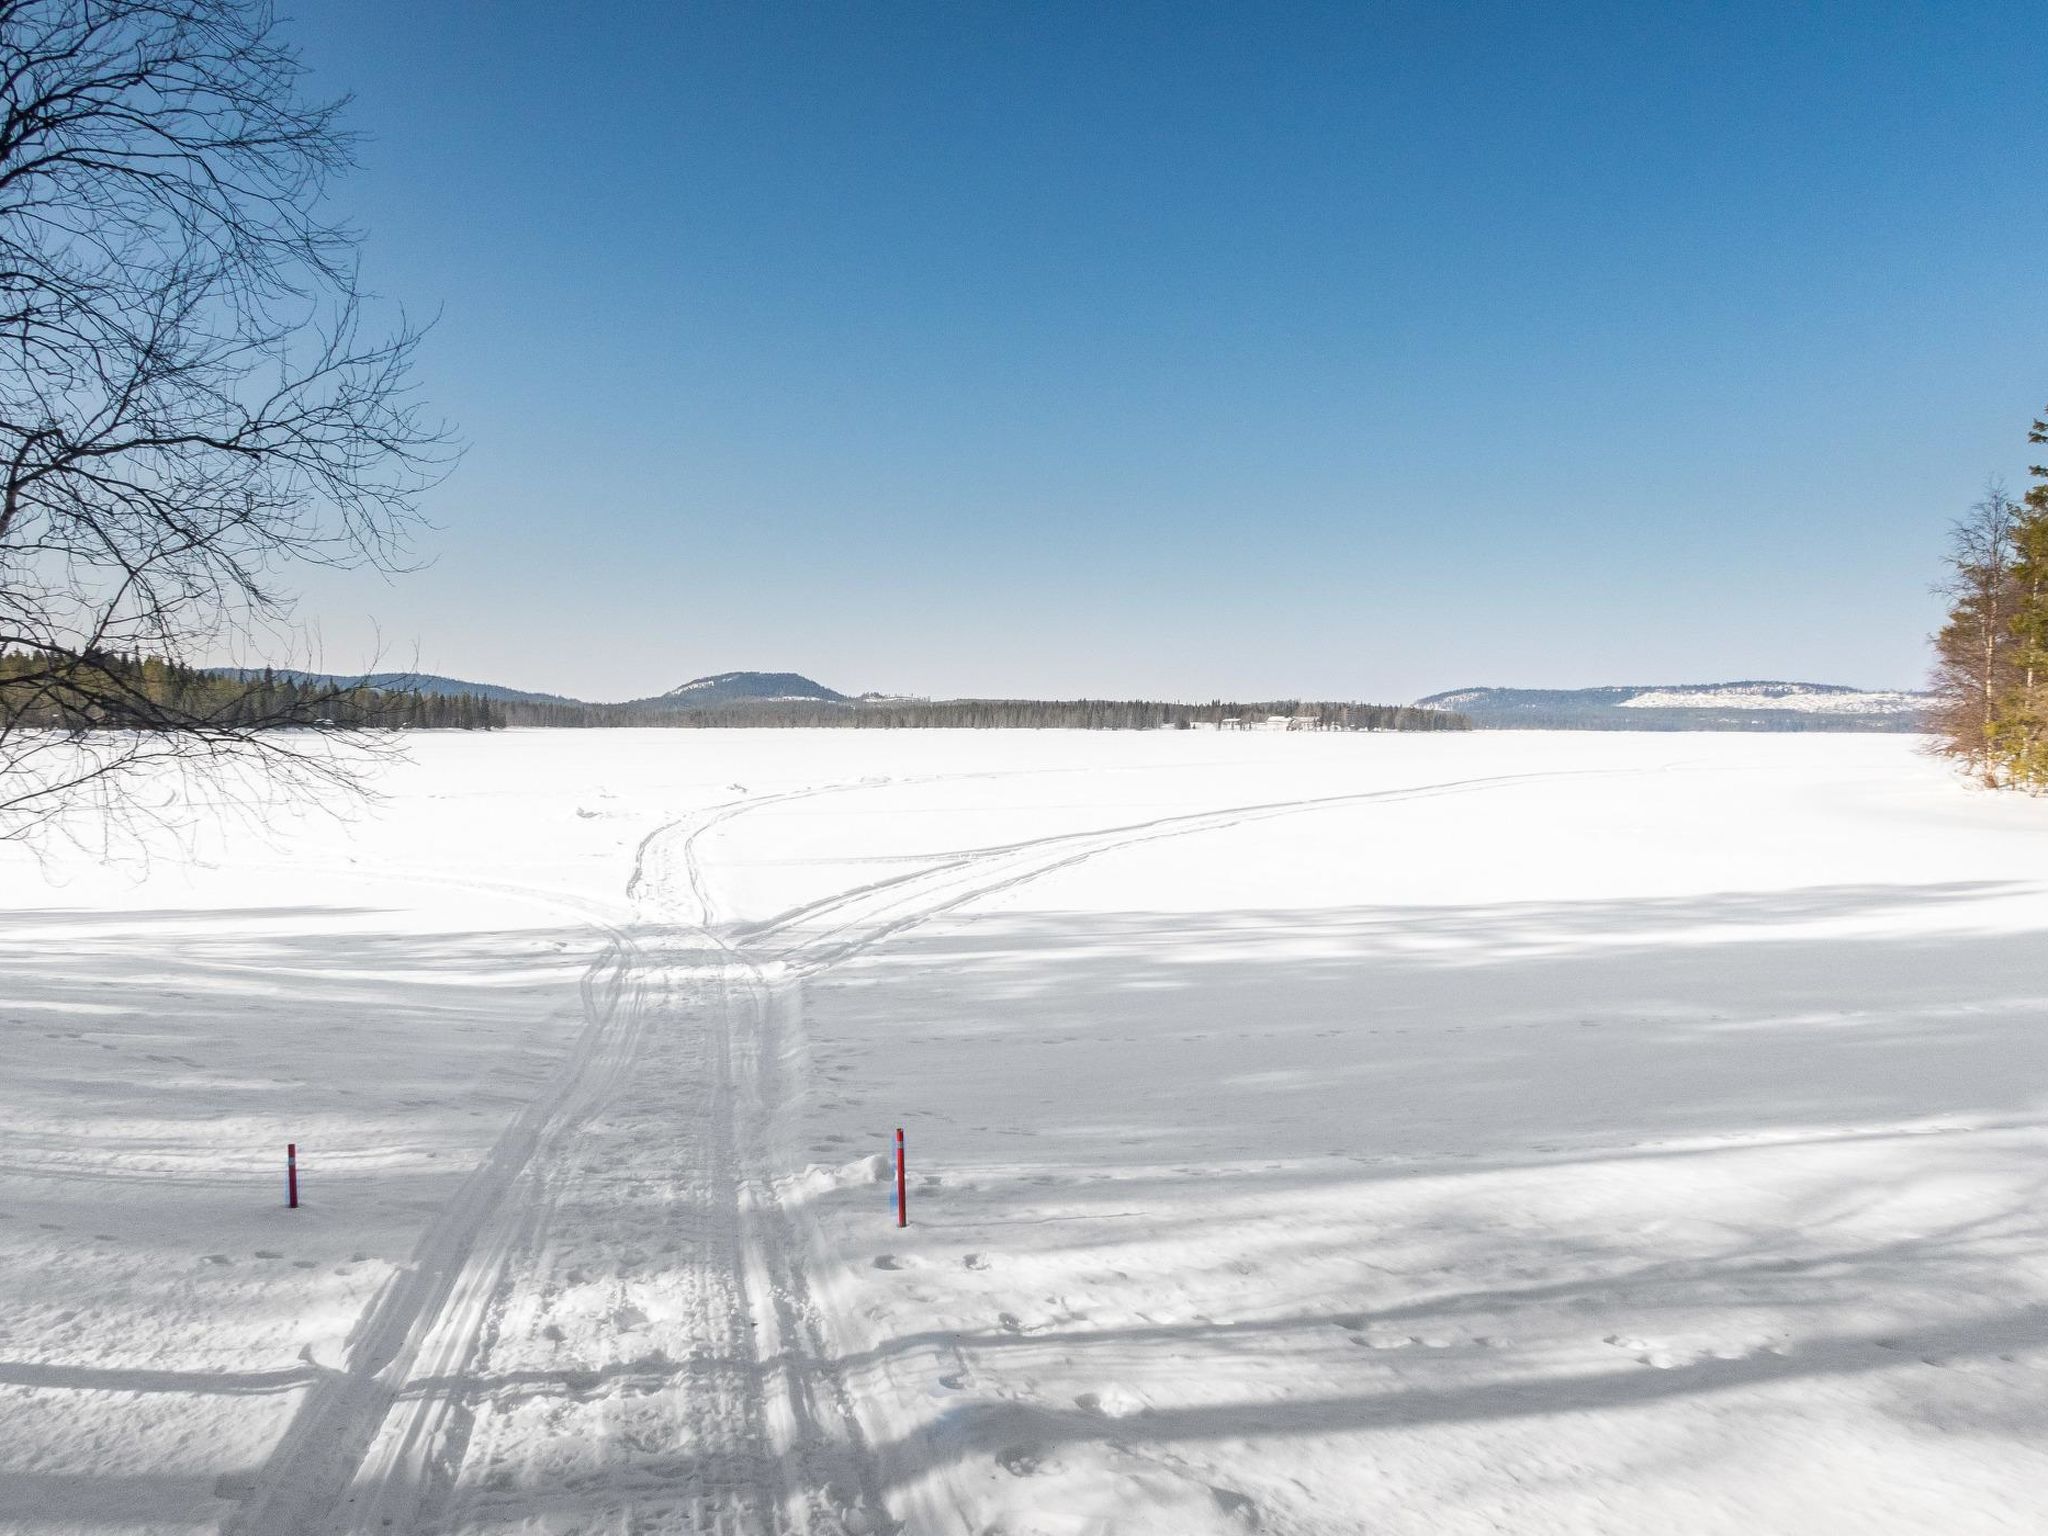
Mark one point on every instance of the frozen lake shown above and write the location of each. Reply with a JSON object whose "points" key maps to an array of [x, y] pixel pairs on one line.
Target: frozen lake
{"points": [[1573, 1133]]}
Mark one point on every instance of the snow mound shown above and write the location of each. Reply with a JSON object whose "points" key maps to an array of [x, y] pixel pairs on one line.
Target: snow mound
{"points": [[817, 1179]]}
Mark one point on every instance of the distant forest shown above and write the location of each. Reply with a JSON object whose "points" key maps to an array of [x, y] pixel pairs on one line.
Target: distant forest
{"points": [[108, 692], [66, 692], [990, 714]]}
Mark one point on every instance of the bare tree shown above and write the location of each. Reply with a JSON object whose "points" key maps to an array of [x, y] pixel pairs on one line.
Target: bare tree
{"points": [[192, 401], [2022, 737], [1974, 651]]}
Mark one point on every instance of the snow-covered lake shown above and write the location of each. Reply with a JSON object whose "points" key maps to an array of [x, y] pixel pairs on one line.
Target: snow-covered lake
{"points": [[1430, 1135]]}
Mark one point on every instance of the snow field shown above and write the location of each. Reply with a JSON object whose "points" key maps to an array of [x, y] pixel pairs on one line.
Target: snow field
{"points": [[1589, 1133]]}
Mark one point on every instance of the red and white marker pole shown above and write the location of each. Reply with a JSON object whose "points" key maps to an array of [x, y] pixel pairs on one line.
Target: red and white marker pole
{"points": [[291, 1174], [902, 1187]]}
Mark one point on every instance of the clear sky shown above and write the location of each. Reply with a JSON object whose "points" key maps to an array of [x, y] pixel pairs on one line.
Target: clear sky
{"points": [[1350, 350]]}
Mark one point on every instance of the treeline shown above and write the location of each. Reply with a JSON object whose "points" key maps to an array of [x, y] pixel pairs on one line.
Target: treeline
{"points": [[993, 714], [115, 692], [1991, 656], [99, 691]]}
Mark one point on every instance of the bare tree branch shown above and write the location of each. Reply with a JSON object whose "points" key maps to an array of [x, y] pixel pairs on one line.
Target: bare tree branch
{"points": [[192, 401]]}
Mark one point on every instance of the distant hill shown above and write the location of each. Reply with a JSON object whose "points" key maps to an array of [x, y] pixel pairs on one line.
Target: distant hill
{"points": [[743, 688], [404, 682], [789, 699], [1740, 706]]}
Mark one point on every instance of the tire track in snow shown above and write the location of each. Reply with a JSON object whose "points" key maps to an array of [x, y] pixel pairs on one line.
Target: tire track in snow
{"points": [[615, 1386], [807, 1431]]}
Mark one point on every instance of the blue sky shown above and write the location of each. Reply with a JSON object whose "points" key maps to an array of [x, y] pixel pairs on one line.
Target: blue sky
{"points": [[1184, 349]]}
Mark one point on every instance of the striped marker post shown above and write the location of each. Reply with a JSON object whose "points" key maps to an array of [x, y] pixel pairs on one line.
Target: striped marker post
{"points": [[902, 1187], [291, 1175]]}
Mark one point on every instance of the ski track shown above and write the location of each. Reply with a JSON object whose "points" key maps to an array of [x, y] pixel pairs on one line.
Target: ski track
{"points": [[609, 1327]]}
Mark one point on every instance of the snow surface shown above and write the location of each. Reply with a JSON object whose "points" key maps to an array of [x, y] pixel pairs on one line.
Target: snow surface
{"points": [[1531, 1132]]}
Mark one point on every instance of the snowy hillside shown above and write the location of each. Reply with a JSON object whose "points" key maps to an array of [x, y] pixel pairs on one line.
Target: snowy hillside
{"points": [[1754, 706], [1430, 1135], [1806, 698], [402, 682], [736, 687]]}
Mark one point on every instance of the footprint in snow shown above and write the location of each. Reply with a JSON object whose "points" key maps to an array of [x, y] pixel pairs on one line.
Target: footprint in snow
{"points": [[1646, 1353], [975, 1261], [1239, 1507], [1112, 1403], [1021, 1460], [886, 1262], [1010, 1322]]}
